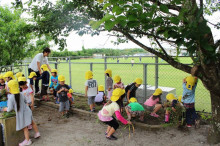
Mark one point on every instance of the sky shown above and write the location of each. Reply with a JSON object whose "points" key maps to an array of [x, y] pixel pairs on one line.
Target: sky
{"points": [[75, 42]]}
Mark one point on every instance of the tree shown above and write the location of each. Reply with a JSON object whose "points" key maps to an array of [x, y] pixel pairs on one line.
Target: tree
{"points": [[180, 23]]}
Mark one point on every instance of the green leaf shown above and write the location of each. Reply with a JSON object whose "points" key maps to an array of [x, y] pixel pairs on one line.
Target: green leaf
{"points": [[139, 7], [118, 10], [164, 8], [132, 18], [107, 17], [106, 6], [95, 24], [109, 24], [174, 20]]}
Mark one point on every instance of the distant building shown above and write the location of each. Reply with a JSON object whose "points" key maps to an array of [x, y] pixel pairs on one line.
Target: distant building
{"points": [[98, 56]]}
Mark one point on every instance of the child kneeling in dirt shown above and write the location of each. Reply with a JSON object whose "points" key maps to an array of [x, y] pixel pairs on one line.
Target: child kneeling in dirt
{"points": [[154, 102], [110, 108], [134, 109], [100, 97], [62, 90]]}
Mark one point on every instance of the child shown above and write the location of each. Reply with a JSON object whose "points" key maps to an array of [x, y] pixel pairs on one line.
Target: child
{"points": [[134, 109], [91, 90], [19, 74], [2, 82], [28, 94], [62, 90], [131, 89], [16, 101], [154, 102], [171, 99], [70, 97], [189, 87], [106, 114], [100, 97], [109, 82], [8, 76], [31, 78], [119, 84], [54, 83], [45, 82]]}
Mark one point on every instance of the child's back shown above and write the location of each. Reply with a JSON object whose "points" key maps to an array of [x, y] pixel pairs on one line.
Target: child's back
{"points": [[92, 87], [99, 97]]}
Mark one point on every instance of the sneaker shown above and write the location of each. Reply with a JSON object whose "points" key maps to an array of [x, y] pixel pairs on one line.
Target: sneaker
{"points": [[57, 102], [114, 137], [37, 135], [111, 138], [189, 125], [25, 142], [29, 127], [154, 115]]}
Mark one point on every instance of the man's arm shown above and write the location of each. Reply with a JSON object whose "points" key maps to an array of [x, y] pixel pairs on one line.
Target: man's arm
{"points": [[38, 66], [48, 67]]}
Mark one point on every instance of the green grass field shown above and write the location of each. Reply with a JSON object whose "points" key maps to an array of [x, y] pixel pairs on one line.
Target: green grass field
{"points": [[168, 76]]}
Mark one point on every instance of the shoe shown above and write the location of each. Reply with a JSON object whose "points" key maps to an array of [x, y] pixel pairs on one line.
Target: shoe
{"points": [[189, 125], [114, 137], [37, 135], [106, 133], [29, 127], [111, 138], [25, 142], [67, 115], [154, 115]]}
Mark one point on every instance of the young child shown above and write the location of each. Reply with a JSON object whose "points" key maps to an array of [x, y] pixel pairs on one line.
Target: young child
{"points": [[54, 83], [189, 87], [119, 84], [45, 82], [100, 97], [171, 99], [2, 82], [154, 102], [16, 101], [62, 90], [70, 97], [109, 109], [134, 109], [8, 76], [91, 90], [109, 82], [131, 89], [31, 78]]}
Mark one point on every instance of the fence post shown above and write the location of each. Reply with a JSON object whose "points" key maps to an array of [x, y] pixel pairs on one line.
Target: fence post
{"points": [[55, 64], [91, 64], [105, 59], [156, 72], [70, 71], [145, 82]]}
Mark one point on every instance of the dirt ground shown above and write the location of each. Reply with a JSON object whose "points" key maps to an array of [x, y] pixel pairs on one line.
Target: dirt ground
{"points": [[82, 131]]}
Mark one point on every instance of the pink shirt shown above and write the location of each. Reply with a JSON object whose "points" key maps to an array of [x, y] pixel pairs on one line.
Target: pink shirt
{"points": [[120, 85], [151, 102]]}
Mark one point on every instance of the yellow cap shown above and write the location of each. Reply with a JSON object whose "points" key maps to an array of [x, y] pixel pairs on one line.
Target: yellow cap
{"points": [[157, 92], [32, 74], [54, 70], [170, 97], [9, 74], [180, 98], [133, 99], [109, 71], [117, 78], [13, 87], [19, 74], [190, 82], [117, 93], [138, 81], [61, 78], [22, 79], [1, 77], [89, 75], [70, 91], [101, 88], [44, 67]]}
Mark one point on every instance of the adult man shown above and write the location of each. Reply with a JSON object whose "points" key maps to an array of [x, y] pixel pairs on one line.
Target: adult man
{"points": [[34, 66]]}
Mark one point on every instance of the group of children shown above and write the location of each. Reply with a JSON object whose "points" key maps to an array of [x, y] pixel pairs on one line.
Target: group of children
{"points": [[113, 102]]}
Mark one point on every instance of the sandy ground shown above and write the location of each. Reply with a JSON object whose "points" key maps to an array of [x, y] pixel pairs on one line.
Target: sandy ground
{"points": [[82, 131]]}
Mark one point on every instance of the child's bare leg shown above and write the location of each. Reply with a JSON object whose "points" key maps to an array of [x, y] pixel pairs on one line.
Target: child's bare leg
{"points": [[157, 108], [128, 114], [167, 112], [26, 133], [112, 130], [91, 107], [108, 129], [34, 125]]}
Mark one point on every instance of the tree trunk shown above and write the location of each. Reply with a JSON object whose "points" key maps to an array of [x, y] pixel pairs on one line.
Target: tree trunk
{"points": [[214, 133]]}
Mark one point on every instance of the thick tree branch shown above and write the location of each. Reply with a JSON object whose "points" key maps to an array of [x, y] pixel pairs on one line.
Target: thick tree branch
{"points": [[161, 47], [217, 44]]}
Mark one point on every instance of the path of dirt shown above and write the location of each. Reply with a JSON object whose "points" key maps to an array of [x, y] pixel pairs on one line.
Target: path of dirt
{"points": [[80, 131]]}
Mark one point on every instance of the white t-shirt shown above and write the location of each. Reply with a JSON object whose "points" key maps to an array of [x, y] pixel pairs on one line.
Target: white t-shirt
{"points": [[92, 87], [99, 97], [38, 58], [109, 110], [27, 94]]}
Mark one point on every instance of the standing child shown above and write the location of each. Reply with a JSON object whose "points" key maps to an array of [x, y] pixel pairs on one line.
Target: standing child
{"points": [[62, 90], [106, 114], [8, 76], [109, 82], [54, 83], [189, 87], [31, 78], [154, 102], [45, 82], [134, 109], [173, 101], [119, 84], [131, 89], [16, 101], [100, 97], [70, 97], [91, 90]]}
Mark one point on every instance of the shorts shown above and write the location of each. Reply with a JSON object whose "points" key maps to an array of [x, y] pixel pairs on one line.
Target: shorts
{"points": [[99, 103], [113, 123], [151, 108], [137, 113], [91, 100], [44, 90], [64, 106]]}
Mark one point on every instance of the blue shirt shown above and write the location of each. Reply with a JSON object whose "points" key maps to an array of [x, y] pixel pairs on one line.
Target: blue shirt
{"points": [[54, 82], [188, 95]]}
